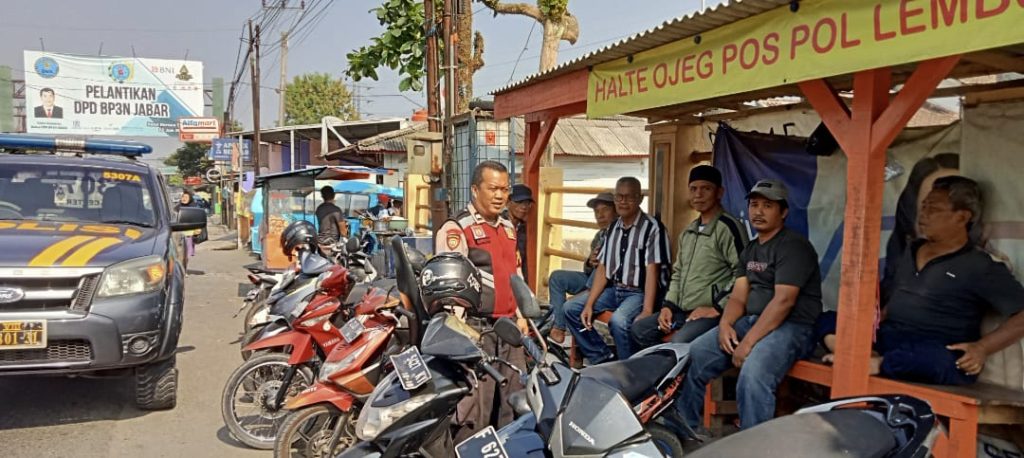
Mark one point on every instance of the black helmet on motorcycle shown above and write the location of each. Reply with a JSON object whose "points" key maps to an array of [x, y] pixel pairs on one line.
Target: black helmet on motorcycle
{"points": [[416, 259], [296, 235], [450, 279]]}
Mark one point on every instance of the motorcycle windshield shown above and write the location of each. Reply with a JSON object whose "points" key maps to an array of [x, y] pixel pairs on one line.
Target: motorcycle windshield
{"points": [[288, 303], [596, 419], [451, 338], [314, 264]]}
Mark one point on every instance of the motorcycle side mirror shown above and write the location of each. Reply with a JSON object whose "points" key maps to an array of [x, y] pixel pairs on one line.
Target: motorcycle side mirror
{"points": [[524, 298], [508, 332]]}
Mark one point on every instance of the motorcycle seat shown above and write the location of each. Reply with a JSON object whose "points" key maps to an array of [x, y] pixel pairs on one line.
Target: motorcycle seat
{"points": [[634, 377], [837, 433]]}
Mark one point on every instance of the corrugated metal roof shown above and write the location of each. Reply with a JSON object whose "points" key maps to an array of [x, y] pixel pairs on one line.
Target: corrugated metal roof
{"points": [[388, 142], [668, 32], [603, 137]]}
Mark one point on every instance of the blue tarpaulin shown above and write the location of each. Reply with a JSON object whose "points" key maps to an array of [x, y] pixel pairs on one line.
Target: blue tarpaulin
{"points": [[746, 157]]}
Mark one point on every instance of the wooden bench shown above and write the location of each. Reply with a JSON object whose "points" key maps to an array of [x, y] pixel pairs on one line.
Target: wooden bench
{"points": [[965, 407]]}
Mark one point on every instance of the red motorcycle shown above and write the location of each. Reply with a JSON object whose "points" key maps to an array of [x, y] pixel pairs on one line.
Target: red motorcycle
{"points": [[323, 417], [293, 347]]}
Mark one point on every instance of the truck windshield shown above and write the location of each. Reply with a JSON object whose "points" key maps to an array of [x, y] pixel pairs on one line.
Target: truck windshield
{"points": [[68, 193]]}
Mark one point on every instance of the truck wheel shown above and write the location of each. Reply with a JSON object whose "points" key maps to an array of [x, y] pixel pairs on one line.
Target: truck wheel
{"points": [[156, 385]]}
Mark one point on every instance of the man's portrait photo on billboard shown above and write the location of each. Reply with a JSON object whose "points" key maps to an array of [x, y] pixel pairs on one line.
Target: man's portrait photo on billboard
{"points": [[48, 109]]}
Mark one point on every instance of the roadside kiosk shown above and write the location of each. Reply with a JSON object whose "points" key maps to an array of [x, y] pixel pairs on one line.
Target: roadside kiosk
{"points": [[291, 196]]}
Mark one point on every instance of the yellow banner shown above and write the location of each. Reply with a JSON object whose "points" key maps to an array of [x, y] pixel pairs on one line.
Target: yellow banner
{"points": [[822, 38]]}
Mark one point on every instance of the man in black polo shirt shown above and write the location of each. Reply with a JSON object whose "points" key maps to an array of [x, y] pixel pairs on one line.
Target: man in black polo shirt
{"points": [[769, 320], [939, 292]]}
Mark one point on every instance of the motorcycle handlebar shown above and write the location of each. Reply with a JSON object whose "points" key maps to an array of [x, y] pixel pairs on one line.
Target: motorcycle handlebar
{"points": [[402, 311], [499, 379]]}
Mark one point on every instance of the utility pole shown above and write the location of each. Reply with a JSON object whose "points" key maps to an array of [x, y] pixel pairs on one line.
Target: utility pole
{"points": [[254, 65], [433, 103], [284, 79]]}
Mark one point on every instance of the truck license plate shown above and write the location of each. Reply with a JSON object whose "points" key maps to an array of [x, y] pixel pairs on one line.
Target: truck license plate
{"points": [[22, 334]]}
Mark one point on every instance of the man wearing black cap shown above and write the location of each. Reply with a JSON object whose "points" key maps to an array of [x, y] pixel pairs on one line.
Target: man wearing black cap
{"points": [[768, 322], [706, 264], [520, 204], [571, 282]]}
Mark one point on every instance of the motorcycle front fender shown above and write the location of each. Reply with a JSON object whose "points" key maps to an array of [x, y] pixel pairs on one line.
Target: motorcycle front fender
{"points": [[301, 343], [321, 393]]}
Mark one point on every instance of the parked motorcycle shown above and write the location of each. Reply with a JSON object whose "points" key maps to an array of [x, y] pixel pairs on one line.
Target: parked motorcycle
{"points": [[322, 418], [295, 287], [253, 397], [410, 410], [572, 409], [894, 426]]}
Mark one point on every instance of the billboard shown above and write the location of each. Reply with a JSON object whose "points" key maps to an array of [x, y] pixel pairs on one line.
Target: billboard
{"points": [[84, 95]]}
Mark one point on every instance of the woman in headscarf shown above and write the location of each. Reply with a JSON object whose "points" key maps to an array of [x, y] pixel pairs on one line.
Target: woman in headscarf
{"points": [[188, 200]]}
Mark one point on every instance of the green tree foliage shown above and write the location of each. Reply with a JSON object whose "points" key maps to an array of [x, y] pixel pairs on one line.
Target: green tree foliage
{"points": [[191, 159], [310, 97], [401, 47]]}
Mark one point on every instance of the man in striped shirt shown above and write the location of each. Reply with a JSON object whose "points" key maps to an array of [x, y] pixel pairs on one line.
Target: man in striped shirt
{"points": [[630, 279]]}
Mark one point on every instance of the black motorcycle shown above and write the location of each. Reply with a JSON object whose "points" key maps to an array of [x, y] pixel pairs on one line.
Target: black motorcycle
{"points": [[591, 413], [410, 411]]}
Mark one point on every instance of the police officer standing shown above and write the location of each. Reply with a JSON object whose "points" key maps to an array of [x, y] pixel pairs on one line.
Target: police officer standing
{"points": [[489, 240]]}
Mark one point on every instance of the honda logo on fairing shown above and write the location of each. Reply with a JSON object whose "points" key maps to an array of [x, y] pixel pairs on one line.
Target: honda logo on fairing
{"points": [[581, 432], [9, 294]]}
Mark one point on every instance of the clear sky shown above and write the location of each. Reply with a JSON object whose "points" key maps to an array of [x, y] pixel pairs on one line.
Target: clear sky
{"points": [[209, 31]]}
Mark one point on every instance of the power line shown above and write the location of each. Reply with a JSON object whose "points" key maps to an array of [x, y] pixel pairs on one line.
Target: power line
{"points": [[525, 46], [109, 29]]}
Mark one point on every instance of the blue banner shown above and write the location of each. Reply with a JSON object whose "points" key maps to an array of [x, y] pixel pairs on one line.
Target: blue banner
{"points": [[746, 157], [220, 150]]}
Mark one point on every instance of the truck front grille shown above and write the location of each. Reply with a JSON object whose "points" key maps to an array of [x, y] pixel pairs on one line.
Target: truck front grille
{"points": [[57, 351], [50, 289]]}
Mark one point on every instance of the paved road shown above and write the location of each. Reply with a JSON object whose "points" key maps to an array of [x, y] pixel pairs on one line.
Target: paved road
{"points": [[97, 418]]}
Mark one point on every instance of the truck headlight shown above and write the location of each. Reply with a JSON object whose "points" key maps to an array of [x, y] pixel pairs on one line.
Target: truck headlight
{"points": [[142, 275]]}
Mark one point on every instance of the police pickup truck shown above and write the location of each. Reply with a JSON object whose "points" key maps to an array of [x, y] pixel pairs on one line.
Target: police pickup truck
{"points": [[91, 276]]}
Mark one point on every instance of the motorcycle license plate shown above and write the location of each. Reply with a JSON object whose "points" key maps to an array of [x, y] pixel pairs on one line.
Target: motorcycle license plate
{"points": [[484, 444], [22, 334], [351, 330], [411, 369]]}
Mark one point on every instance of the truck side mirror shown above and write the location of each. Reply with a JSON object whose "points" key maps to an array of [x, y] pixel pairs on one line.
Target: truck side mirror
{"points": [[189, 219]]}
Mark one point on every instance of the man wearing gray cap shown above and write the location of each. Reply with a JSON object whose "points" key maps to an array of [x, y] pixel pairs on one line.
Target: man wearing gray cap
{"points": [[768, 322], [571, 282]]}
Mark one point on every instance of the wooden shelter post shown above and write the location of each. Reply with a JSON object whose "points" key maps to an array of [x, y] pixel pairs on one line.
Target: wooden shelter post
{"points": [[865, 133]]}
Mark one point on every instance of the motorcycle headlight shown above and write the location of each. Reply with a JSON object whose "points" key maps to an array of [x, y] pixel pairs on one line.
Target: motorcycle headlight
{"points": [[381, 411], [328, 368], [142, 275]]}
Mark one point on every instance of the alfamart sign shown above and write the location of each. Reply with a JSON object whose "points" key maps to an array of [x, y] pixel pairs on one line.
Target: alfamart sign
{"points": [[68, 94], [816, 39]]}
